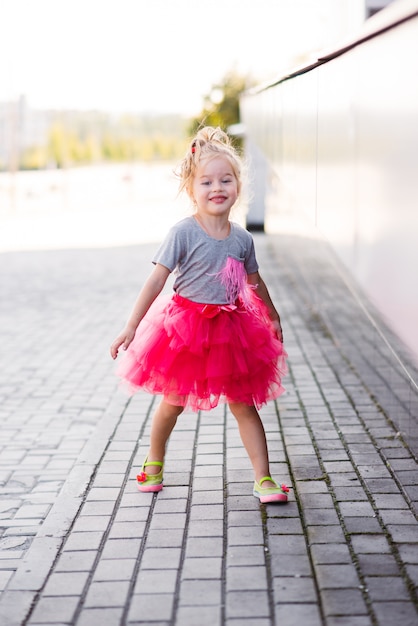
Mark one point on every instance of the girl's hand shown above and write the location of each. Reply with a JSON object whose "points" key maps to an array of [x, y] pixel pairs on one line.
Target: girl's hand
{"points": [[277, 327], [124, 338], [152, 288]]}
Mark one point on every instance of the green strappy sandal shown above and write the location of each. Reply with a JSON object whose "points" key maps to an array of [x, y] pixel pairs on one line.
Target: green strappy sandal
{"points": [[150, 482], [270, 494]]}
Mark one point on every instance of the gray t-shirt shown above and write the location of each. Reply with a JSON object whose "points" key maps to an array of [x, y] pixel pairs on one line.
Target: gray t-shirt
{"points": [[197, 259]]}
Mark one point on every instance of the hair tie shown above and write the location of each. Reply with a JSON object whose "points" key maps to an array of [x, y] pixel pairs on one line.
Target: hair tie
{"points": [[193, 147]]}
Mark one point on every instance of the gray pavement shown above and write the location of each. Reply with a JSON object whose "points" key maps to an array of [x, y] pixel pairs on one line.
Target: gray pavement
{"points": [[80, 545]]}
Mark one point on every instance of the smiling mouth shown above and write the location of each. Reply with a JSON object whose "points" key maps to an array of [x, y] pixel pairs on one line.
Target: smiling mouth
{"points": [[218, 199]]}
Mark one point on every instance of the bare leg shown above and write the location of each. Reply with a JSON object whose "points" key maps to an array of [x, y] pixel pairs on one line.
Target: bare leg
{"points": [[253, 437], [163, 422]]}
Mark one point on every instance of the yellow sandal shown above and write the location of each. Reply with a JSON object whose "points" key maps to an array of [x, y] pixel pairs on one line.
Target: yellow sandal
{"points": [[150, 482], [270, 494]]}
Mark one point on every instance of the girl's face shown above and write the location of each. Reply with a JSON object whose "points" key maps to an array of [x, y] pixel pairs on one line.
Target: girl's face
{"points": [[215, 188]]}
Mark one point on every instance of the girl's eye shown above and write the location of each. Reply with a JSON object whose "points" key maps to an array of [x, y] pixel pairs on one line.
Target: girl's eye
{"points": [[206, 182], [228, 180]]}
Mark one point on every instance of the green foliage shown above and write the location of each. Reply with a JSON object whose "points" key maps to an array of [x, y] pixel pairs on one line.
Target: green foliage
{"points": [[76, 138], [81, 137], [221, 105]]}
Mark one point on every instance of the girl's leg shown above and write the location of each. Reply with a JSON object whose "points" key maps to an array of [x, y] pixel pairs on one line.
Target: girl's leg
{"points": [[163, 422], [253, 437]]}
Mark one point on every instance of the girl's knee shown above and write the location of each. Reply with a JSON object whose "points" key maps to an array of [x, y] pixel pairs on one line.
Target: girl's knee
{"points": [[243, 411], [170, 410]]}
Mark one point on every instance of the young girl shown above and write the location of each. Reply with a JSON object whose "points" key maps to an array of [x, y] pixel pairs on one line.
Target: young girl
{"points": [[218, 337]]}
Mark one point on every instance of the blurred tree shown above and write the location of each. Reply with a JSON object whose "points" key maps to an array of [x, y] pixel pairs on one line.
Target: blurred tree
{"points": [[81, 137], [221, 105], [34, 158], [57, 145]]}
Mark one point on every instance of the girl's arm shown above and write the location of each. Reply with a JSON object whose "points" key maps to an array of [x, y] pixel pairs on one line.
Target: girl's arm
{"points": [[151, 289], [262, 292]]}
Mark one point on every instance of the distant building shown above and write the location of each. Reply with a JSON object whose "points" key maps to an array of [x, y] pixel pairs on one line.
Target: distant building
{"points": [[20, 128]]}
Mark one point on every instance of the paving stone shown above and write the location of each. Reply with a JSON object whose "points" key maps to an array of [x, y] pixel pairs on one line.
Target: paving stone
{"points": [[397, 516], [245, 535], [241, 578], [284, 526], [321, 517], [362, 525], [241, 503], [246, 604], [207, 497], [389, 613], [132, 514], [356, 509], [200, 593], [386, 588], [381, 485], [245, 555], [105, 617], [66, 584], [54, 609], [156, 581], [340, 576], [288, 565], [161, 558], [127, 530], [203, 528], [297, 614], [408, 552], [202, 615], [294, 590], [83, 541], [171, 538], [78, 561], [344, 601], [316, 501], [121, 548], [211, 546], [107, 594], [345, 479], [287, 544], [98, 508], [159, 606], [244, 518], [370, 544], [378, 565], [403, 533], [91, 523], [202, 568], [330, 553], [109, 570], [312, 486]]}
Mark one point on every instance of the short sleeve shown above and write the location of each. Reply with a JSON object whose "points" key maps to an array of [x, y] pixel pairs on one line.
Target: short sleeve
{"points": [[171, 250], [250, 263]]}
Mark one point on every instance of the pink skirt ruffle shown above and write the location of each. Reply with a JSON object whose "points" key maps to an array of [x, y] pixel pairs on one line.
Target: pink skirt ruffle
{"points": [[197, 355]]}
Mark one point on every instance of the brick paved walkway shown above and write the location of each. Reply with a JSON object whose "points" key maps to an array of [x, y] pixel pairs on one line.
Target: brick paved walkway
{"points": [[79, 545]]}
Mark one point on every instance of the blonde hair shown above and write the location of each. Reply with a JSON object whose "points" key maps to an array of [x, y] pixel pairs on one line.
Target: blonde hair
{"points": [[208, 143]]}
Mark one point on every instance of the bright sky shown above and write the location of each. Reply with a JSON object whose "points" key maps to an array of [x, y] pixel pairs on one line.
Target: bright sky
{"points": [[152, 55]]}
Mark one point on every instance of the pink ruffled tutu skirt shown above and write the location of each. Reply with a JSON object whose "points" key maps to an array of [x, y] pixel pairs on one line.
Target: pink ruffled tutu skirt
{"points": [[197, 355]]}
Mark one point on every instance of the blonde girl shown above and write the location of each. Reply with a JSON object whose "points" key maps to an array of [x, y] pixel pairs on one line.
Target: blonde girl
{"points": [[218, 337]]}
